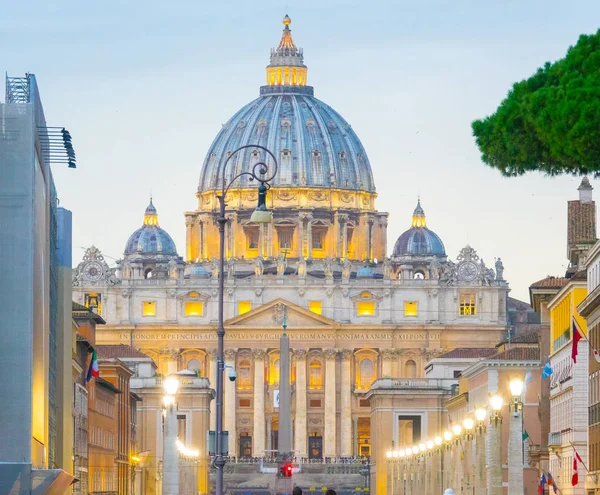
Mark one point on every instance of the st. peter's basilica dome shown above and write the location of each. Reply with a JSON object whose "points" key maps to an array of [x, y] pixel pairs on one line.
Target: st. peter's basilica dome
{"points": [[150, 239], [314, 145]]}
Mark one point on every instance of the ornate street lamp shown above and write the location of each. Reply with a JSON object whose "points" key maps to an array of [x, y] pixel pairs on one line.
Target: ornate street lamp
{"points": [[457, 430], [260, 215], [480, 414], [468, 423], [496, 402], [516, 390]]}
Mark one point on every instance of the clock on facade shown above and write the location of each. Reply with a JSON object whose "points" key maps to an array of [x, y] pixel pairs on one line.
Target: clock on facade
{"points": [[467, 270], [93, 271]]}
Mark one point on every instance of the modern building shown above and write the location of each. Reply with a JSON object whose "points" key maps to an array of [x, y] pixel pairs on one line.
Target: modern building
{"points": [[354, 313], [34, 301]]}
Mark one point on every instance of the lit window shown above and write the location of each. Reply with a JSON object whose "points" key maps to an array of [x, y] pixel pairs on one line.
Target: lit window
{"points": [[316, 376], [194, 308], [467, 305], [244, 307], [410, 308], [93, 301], [149, 308], [365, 308], [316, 307]]}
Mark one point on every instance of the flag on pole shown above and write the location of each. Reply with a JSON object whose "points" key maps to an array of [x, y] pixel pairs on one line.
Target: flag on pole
{"points": [[93, 369], [596, 356], [576, 339], [575, 477], [551, 482], [577, 456], [547, 371], [528, 379], [525, 435], [542, 483]]}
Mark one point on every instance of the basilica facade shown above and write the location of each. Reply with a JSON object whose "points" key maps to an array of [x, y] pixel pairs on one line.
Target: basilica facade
{"points": [[354, 313]]}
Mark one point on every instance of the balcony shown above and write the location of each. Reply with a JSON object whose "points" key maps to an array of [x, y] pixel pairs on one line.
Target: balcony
{"points": [[559, 438], [413, 383]]}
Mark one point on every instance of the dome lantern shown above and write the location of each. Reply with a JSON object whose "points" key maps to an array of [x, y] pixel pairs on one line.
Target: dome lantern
{"points": [[419, 241], [150, 239]]}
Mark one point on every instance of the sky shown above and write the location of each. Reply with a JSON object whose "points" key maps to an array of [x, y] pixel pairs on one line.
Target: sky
{"points": [[144, 87]]}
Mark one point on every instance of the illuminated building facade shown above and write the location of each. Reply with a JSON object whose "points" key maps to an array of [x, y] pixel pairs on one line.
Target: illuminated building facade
{"points": [[353, 313]]}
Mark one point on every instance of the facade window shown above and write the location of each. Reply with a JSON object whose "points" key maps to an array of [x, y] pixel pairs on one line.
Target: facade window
{"points": [[245, 379], [410, 369], [93, 301], [365, 308], [316, 375], [285, 238], [244, 402], [316, 307], [244, 307], [366, 373], [274, 372], [315, 402], [181, 427], [410, 308], [318, 238], [252, 236], [194, 308], [467, 305], [149, 308]]}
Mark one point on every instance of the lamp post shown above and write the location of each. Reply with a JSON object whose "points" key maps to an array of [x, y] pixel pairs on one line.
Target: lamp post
{"points": [[515, 440], [480, 485], [170, 478], [495, 450], [448, 481], [260, 215]]}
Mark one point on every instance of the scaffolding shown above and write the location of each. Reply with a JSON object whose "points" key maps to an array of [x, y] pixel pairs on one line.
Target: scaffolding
{"points": [[18, 89]]}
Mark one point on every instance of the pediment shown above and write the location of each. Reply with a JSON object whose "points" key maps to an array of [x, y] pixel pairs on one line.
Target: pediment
{"points": [[271, 315]]}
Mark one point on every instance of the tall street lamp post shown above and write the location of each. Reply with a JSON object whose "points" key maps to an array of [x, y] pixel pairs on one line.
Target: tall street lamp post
{"points": [[260, 215], [170, 479], [495, 450], [515, 440], [480, 485]]}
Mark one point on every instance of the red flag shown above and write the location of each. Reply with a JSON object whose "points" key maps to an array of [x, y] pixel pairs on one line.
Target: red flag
{"points": [[575, 478], [577, 456], [576, 339]]}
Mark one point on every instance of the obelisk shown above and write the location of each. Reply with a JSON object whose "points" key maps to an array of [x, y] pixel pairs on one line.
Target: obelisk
{"points": [[285, 392]]}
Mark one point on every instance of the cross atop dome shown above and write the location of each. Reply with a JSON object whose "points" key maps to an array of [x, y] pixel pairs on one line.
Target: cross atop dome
{"points": [[287, 61]]}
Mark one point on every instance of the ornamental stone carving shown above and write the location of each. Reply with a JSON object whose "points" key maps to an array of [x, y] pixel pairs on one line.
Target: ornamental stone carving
{"points": [[346, 354], [300, 354], [212, 353], [279, 313], [389, 354], [258, 267], [330, 353], [230, 354], [258, 354], [258, 292], [170, 354]]}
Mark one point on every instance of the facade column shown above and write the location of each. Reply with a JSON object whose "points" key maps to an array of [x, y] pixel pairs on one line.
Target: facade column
{"points": [[383, 223], [258, 435], [269, 443], [370, 223], [197, 249], [344, 240], [336, 235], [230, 405], [458, 468], [212, 380], [515, 453], [346, 405], [355, 436], [301, 237], [330, 440], [300, 426], [189, 225], [495, 458], [204, 239], [309, 237]]}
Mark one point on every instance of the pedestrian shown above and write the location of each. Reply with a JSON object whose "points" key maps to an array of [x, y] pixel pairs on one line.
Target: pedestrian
{"points": [[330, 492], [297, 491]]}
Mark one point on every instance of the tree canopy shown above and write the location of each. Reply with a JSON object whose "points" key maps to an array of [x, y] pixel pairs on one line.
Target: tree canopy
{"points": [[551, 121]]}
